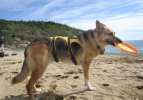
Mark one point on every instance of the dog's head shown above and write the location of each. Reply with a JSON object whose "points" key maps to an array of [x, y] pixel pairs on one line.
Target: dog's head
{"points": [[106, 35]]}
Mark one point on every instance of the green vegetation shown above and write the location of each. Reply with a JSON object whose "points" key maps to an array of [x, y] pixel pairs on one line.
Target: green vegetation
{"points": [[29, 30]]}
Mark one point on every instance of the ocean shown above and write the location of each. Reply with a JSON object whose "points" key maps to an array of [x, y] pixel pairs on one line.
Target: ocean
{"points": [[116, 51]]}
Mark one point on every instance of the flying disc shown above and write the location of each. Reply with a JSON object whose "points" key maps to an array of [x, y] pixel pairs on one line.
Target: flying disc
{"points": [[127, 47]]}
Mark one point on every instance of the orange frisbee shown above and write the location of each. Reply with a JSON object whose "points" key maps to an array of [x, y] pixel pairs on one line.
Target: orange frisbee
{"points": [[127, 47]]}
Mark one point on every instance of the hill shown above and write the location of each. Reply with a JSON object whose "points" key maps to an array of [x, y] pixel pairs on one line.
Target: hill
{"points": [[29, 30]]}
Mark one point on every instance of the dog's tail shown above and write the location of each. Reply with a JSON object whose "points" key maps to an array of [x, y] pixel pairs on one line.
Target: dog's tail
{"points": [[25, 72], [22, 75]]}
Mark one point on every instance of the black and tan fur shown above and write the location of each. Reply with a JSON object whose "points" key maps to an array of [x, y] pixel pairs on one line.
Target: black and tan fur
{"points": [[79, 49]]}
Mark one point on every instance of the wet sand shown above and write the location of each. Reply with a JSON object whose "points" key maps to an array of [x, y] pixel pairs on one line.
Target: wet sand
{"points": [[115, 78]]}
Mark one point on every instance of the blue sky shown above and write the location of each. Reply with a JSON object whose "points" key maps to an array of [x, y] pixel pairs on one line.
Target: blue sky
{"points": [[124, 16]]}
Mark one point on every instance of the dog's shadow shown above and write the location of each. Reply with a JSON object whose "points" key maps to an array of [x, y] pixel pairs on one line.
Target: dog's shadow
{"points": [[45, 96]]}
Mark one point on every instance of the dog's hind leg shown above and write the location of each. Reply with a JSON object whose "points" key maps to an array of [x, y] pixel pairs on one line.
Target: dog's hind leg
{"points": [[36, 74], [40, 58]]}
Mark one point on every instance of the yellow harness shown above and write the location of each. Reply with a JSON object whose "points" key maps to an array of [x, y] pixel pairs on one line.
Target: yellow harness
{"points": [[69, 41]]}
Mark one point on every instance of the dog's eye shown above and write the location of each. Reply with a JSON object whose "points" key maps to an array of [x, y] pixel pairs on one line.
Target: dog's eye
{"points": [[112, 33]]}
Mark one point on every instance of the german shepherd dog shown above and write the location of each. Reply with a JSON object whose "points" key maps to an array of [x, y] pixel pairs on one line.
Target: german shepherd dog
{"points": [[80, 49]]}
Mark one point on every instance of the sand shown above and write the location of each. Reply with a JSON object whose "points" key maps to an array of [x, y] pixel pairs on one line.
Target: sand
{"points": [[115, 78]]}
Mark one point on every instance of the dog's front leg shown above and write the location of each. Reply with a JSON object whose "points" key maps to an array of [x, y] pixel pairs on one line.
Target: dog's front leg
{"points": [[85, 65]]}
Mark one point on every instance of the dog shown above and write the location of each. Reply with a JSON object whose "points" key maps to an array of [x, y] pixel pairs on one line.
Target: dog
{"points": [[79, 49]]}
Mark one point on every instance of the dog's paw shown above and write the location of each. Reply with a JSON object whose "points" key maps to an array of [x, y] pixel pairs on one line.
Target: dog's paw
{"points": [[35, 90], [90, 88], [38, 89]]}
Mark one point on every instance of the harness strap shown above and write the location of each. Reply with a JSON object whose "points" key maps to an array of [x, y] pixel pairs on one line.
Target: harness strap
{"points": [[99, 48], [54, 53], [73, 58], [54, 50]]}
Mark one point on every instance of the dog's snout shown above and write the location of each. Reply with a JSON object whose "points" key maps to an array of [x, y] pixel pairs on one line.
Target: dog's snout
{"points": [[111, 42], [117, 40], [114, 41]]}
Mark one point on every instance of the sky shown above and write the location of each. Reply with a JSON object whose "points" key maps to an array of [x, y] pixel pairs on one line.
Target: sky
{"points": [[125, 17]]}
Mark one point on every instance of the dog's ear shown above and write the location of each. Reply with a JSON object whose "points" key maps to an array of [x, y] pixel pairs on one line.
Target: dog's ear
{"points": [[99, 26]]}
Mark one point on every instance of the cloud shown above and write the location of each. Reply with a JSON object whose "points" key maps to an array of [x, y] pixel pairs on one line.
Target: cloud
{"points": [[126, 27], [14, 5], [124, 16]]}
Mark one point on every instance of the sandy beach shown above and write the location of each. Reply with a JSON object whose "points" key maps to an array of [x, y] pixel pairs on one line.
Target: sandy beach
{"points": [[115, 78]]}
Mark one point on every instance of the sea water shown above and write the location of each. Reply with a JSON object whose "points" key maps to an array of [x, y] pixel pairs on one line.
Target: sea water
{"points": [[137, 43]]}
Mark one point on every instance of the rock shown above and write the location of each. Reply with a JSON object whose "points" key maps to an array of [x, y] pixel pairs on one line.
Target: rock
{"points": [[72, 97], [13, 54], [58, 75], [139, 87], [76, 77], [64, 77], [14, 72], [140, 77], [1, 54], [74, 86], [61, 77], [105, 84], [70, 72], [104, 70], [1, 73]]}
